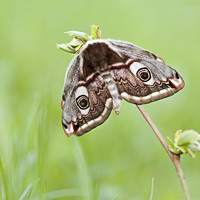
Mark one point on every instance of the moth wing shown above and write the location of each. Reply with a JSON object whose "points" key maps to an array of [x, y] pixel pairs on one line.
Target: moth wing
{"points": [[163, 81], [92, 92], [132, 50], [103, 72]]}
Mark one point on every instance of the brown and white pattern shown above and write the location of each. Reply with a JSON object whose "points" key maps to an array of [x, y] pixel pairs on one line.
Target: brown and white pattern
{"points": [[106, 71]]}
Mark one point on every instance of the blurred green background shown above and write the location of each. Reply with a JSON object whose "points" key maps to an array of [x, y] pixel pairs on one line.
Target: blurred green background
{"points": [[118, 159]]}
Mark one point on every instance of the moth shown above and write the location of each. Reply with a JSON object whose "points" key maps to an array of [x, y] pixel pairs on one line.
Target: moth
{"points": [[103, 73]]}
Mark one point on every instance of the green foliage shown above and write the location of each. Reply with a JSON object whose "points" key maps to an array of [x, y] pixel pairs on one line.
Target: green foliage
{"points": [[80, 38], [3, 182], [96, 32], [185, 142], [152, 188], [27, 193]]}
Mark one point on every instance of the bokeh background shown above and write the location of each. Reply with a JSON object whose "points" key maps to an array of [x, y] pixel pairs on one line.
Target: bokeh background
{"points": [[118, 159]]}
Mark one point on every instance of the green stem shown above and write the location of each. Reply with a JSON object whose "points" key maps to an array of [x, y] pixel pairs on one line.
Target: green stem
{"points": [[175, 158]]}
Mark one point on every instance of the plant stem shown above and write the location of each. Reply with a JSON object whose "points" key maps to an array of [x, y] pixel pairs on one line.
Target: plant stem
{"points": [[179, 170], [175, 158]]}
